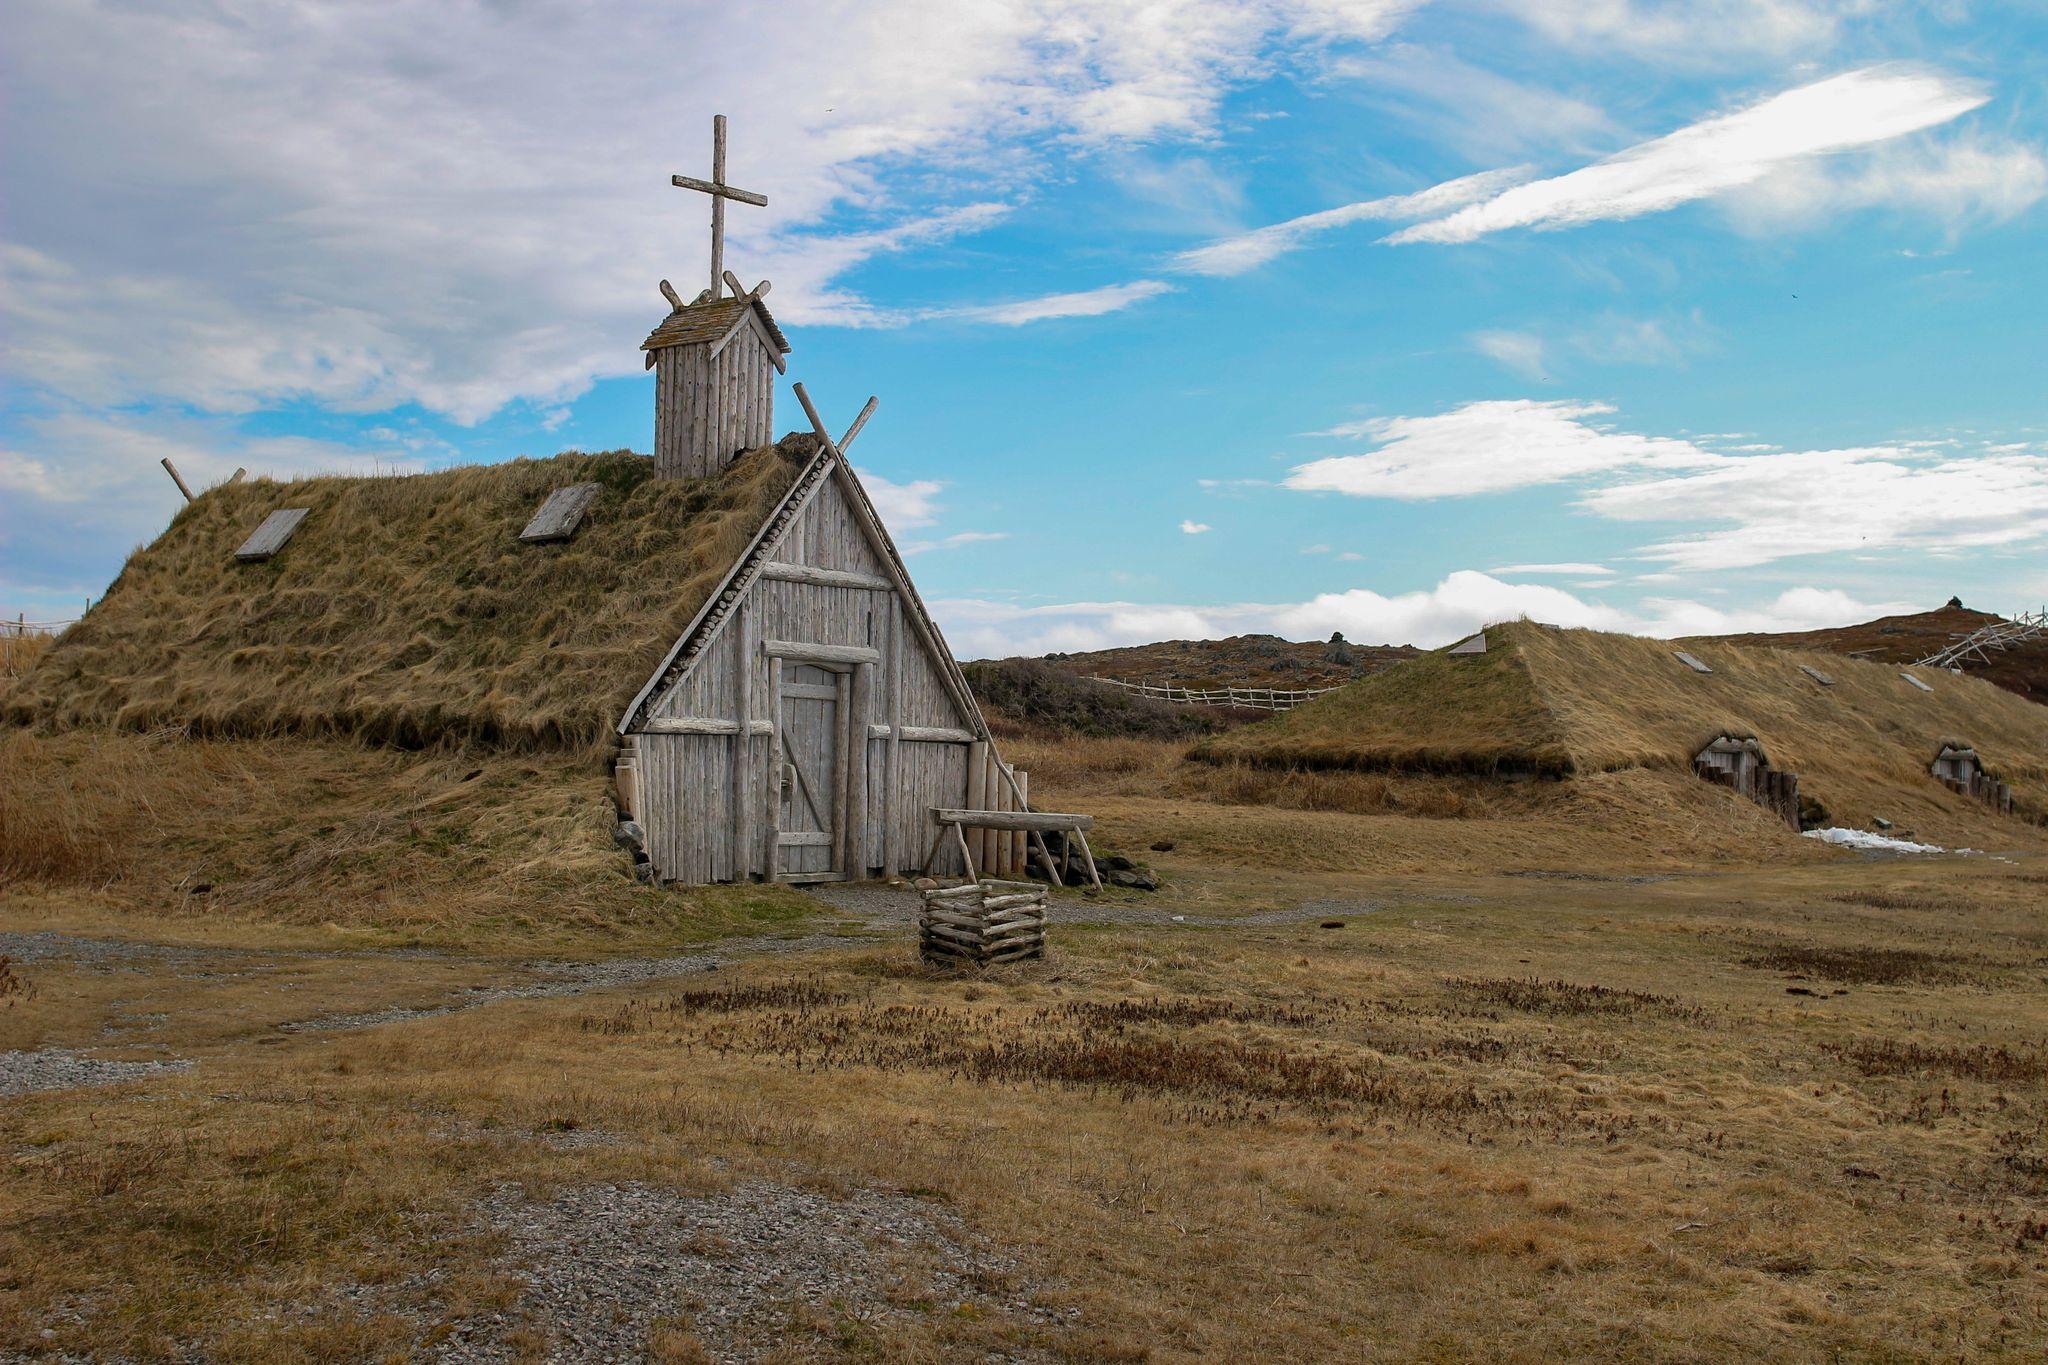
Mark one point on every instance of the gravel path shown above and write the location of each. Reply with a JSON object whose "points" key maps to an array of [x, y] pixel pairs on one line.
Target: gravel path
{"points": [[575, 978], [59, 1068], [608, 1265]]}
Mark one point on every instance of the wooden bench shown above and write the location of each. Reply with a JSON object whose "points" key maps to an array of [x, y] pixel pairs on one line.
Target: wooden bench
{"points": [[1036, 823]]}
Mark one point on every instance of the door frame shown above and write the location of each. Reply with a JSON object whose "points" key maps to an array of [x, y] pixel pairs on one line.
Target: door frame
{"points": [[851, 664]]}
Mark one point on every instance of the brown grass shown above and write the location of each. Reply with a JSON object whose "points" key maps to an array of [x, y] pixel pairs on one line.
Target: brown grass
{"points": [[449, 845], [1557, 702], [405, 611], [1196, 1145], [18, 653], [1865, 966]]}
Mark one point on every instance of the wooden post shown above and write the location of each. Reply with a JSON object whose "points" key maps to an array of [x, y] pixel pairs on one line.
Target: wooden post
{"points": [[744, 848], [856, 789], [893, 706], [842, 764], [717, 205], [172, 470], [977, 785], [772, 825], [1088, 857], [1020, 856]]}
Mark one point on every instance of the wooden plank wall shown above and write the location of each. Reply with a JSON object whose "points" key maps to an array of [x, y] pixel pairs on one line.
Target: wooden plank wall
{"points": [[690, 788], [705, 410]]}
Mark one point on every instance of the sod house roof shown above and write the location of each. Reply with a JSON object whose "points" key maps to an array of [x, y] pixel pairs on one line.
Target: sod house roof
{"points": [[1561, 702], [708, 322], [406, 610]]}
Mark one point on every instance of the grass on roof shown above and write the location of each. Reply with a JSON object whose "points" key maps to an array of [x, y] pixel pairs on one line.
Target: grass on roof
{"points": [[405, 611]]}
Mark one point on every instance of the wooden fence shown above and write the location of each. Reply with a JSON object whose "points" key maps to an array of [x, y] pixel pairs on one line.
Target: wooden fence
{"points": [[1254, 698]]}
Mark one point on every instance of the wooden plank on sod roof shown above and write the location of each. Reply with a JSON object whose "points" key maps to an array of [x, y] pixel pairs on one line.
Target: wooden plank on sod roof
{"points": [[270, 537], [1916, 682], [1823, 679], [560, 515], [1690, 662], [1475, 645]]}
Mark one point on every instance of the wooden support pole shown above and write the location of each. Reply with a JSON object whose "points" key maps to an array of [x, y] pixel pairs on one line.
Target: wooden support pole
{"points": [[977, 784], [893, 705], [743, 848], [1020, 853], [772, 821], [176, 478], [1089, 858]]}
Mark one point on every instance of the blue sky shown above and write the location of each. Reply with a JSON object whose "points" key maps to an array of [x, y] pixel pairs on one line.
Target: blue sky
{"points": [[1383, 316]]}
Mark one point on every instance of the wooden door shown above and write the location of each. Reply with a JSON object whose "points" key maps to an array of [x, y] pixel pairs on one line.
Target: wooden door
{"points": [[812, 812]]}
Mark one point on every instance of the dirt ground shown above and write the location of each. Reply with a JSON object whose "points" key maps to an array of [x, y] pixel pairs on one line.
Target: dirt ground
{"points": [[1336, 1112]]}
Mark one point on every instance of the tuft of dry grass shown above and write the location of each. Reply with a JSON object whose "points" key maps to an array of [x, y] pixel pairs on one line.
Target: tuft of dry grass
{"points": [[19, 652], [1535, 996], [1995, 1063], [1864, 966], [405, 611]]}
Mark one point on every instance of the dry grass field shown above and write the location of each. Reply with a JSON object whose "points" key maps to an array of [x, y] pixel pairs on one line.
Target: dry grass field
{"points": [[1426, 1067]]}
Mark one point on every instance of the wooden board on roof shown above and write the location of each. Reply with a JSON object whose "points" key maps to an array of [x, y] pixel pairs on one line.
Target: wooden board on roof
{"points": [[270, 537], [561, 514]]}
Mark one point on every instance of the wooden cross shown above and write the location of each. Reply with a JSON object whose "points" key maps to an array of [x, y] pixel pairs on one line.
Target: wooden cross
{"points": [[719, 192]]}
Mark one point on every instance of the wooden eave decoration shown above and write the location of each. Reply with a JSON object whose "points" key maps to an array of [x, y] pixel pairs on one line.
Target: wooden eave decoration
{"points": [[1475, 645], [560, 515], [271, 536], [1690, 662]]}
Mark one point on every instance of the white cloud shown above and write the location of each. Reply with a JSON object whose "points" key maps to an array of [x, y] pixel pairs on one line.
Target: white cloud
{"points": [[902, 505], [1685, 29], [1459, 604], [1249, 250], [1814, 502], [1086, 303], [1958, 182], [1521, 352], [189, 226], [1195, 528], [1487, 447], [1558, 570], [952, 542], [1730, 152]]}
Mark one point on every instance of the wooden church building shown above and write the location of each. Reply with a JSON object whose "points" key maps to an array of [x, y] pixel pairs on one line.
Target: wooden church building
{"points": [[727, 625], [810, 719]]}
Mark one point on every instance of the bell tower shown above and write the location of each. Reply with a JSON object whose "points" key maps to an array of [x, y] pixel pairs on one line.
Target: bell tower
{"points": [[715, 358]]}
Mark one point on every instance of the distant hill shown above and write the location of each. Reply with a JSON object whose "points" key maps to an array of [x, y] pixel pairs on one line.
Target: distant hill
{"points": [[1904, 639], [1237, 661]]}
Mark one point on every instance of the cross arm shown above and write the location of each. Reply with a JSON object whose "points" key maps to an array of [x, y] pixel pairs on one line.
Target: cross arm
{"points": [[685, 182]]}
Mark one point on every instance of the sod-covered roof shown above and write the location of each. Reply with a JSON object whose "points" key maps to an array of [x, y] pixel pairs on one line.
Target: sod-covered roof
{"points": [[405, 610], [708, 321], [1578, 701]]}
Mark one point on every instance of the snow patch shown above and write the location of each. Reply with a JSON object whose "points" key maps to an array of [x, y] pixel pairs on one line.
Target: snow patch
{"points": [[1863, 839]]}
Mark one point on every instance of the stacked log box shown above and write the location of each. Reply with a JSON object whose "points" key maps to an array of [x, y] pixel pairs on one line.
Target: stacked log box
{"points": [[983, 923]]}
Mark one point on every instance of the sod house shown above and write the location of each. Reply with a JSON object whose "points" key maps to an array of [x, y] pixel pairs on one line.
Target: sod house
{"points": [[727, 624]]}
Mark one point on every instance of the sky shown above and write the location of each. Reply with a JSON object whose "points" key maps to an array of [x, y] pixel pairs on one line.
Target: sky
{"points": [[1189, 318]]}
